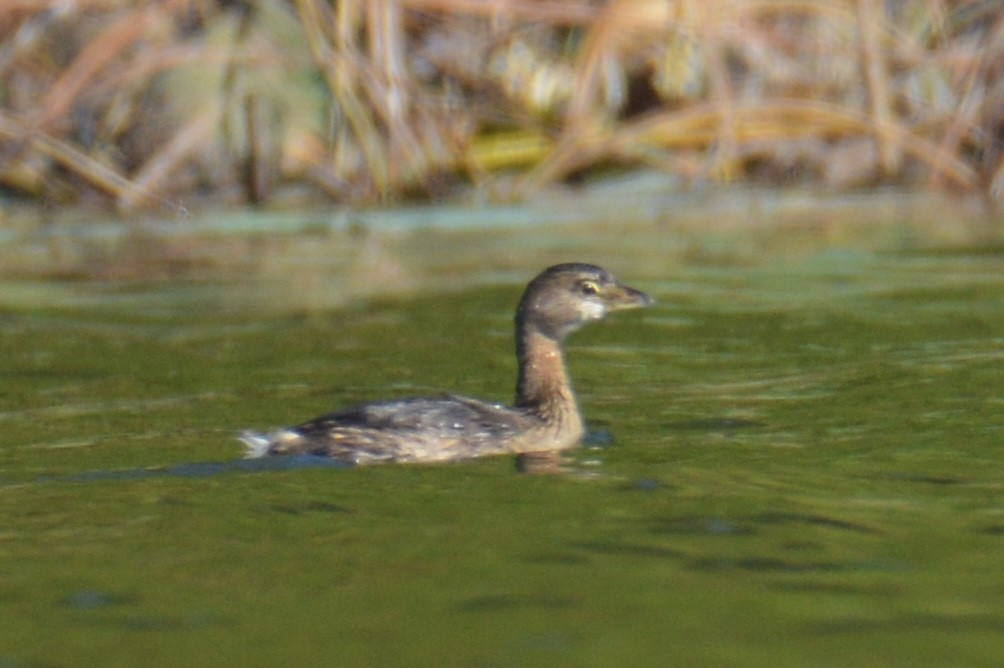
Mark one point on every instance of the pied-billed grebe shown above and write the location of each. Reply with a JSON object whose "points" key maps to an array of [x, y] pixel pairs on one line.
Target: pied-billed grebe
{"points": [[544, 419]]}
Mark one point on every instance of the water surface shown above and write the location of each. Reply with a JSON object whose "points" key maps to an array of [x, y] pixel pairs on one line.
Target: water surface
{"points": [[797, 461]]}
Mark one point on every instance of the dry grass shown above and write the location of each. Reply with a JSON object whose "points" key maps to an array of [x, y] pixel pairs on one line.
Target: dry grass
{"points": [[145, 102]]}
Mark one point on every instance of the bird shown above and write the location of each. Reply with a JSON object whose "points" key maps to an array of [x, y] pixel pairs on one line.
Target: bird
{"points": [[544, 419]]}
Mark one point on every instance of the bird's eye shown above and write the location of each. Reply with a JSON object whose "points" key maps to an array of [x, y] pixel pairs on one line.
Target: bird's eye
{"points": [[589, 288]]}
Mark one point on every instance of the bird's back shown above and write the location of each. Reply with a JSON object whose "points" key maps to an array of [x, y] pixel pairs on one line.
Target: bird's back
{"points": [[407, 430]]}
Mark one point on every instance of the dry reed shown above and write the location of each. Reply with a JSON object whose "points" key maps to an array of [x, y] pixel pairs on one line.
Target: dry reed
{"points": [[145, 102]]}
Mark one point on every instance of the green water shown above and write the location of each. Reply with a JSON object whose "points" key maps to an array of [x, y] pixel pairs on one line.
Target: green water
{"points": [[798, 462]]}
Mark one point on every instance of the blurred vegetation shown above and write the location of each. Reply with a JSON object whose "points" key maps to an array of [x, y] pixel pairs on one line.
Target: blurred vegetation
{"points": [[376, 100]]}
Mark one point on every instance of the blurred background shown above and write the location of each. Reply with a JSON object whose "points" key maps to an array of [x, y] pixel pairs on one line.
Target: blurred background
{"points": [[137, 104]]}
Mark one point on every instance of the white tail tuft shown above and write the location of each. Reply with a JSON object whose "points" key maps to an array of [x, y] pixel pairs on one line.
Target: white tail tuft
{"points": [[257, 444]]}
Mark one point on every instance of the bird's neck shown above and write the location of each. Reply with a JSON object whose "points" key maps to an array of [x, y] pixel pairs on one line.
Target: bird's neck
{"points": [[543, 385]]}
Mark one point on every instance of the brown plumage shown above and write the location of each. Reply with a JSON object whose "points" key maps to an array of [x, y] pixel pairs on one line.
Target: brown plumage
{"points": [[545, 417]]}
